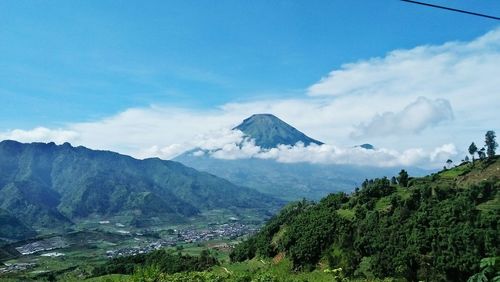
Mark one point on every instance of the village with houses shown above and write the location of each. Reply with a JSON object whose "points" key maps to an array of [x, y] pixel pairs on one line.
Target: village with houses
{"points": [[220, 237]]}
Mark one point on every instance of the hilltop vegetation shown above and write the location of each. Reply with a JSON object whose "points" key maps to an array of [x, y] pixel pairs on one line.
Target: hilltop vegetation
{"points": [[161, 261], [437, 228]]}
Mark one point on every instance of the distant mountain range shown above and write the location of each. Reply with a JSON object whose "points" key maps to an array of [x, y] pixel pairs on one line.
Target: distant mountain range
{"points": [[289, 181], [44, 186]]}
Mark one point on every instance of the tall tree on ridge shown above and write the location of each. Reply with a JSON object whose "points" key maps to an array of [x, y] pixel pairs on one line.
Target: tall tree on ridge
{"points": [[394, 181], [490, 143], [403, 178], [472, 150]]}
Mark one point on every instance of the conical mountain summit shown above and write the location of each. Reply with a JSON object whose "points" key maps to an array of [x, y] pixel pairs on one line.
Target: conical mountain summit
{"points": [[269, 131]]}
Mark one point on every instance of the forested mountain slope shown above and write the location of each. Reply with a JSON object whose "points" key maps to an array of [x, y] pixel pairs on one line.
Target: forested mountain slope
{"points": [[433, 228], [45, 185]]}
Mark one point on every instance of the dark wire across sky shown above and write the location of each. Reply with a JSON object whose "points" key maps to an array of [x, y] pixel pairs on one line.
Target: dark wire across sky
{"points": [[453, 9]]}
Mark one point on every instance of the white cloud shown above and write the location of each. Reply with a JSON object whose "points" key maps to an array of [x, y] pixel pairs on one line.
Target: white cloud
{"points": [[40, 134], [222, 139], [330, 154], [414, 118], [231, 145], [425, 69], [352, 102], [443, 153]]}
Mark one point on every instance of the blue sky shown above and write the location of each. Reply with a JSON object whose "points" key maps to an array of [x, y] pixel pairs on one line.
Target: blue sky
{"points": [[157, 78], [69, 61]]}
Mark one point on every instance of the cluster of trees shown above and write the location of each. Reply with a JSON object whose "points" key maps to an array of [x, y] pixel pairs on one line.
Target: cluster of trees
{"points": [[488, 150], [428, 231], [165, 261]]}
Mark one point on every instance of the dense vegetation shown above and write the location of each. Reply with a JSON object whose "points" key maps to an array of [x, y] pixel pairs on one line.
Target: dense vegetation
{"points": [[12, 227], [435, 228], [49, 186], [162, 261]]}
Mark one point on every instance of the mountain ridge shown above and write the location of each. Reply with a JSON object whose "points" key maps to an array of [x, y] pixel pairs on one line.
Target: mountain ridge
{"points": [[47, 185]]}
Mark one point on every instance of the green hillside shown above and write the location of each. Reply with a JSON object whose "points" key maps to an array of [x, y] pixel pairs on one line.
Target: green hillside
{"points": [[433, 228], [436, 229], [46, 186]]}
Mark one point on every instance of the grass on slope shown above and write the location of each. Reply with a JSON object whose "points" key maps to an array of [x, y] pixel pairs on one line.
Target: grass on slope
{"points": [[472, 173], [346, 213], [490, 205]]}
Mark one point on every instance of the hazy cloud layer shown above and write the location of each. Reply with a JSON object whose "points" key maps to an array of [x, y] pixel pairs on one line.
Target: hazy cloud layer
{"points": [[409, 101]]}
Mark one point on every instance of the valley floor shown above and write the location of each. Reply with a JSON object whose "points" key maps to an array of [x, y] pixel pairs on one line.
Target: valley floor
{"points": [[73, 255]]}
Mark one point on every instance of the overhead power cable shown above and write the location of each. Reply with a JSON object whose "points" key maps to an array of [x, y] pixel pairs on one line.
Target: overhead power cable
{"points": [[452, 9]]}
